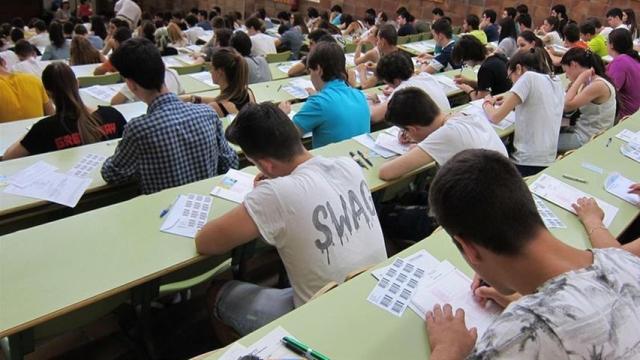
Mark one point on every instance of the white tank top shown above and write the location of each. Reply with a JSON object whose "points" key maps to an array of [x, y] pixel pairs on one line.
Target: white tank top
{"points": [[596, 117]]}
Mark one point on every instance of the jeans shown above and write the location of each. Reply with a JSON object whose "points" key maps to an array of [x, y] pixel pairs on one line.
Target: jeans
{"points": [[526, 170], [568, 141]]}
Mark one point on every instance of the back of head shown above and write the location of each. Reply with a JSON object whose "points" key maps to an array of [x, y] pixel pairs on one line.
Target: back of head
{"points": [[175, 34], [522, 9], [24, 49], [315, 35], [561, 10], [511, 12], [82, 52], [16, 34], [17, 22], [255, 24], [389, 34], [508, 28], [336, 8], [585, 59], [524, 19], [264, 131], [473, 21], [98, 27], [40, 26], [468, 48], [571, 33], [56, 35], [491, 14], [370, 11], [262, 13], [620, 40], [192, 20], [236, 71], [347, 19], [223, 36], [138, 59], [411, 107], [535, 59], [396, 65], [587, 28], [369, 20], [218, 23], [437, 11], [67, 27], [330, 57], [312, 13], [479, 196], [595, 21], [442, 26], [80, 30], [241, 42], [148, 30], [122, 34]]}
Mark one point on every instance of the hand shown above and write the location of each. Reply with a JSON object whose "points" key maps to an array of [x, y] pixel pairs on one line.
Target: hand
{"points": [[634, 189], [373, 98], [448, 334], [387, 90], [311, 91], [459, 79], [482, 293], [585, 76], [464, 87], [404, 138], [285, 106], [588, 212], [370, 65], [259, 177]]}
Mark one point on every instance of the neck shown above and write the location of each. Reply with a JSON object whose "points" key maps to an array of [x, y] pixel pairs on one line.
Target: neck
{"points": [[444, 41], [289, 167], [251, 32], [148, 96]]}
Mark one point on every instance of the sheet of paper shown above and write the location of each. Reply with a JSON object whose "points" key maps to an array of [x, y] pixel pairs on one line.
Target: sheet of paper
{"points": [[420, 46], [447, 83], [631, 151], [55, 187], [394, 131], [551, 221], [350, 59], [83, 70], [391, 143], [286, 66], [476, 109], [87, 164], [421, 259], [187, 215], [563, 195], [102, 92], [394, 289], [627, 135], [618, 185], [370, 143], [172, 61], [234, 352], [204, 77], [369, 75], [186, 59], [270, 347], [30, 174], [235, 186]]}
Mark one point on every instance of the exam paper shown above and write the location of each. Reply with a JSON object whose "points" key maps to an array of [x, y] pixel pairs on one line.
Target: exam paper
{"points": [[369, 74], [447, 84], [420, 46], [476, 109], [270, 347], [564, 195], [87, 164], [187, 215], [631, 151], [421, 259], [52, 186], [396, 286], [391, 143], [286, 66], [627, 135], [618, 185], [204, 77], [298, 88], [30, 174], [367, 141], [172, 61], [551, 221], [235, 186], [102, 92]]}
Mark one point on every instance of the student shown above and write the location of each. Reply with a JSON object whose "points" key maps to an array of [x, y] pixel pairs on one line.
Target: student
{"points": [[492, 75], [507, 41], [313, 17], [230, 71], [387, 39], [560, 12], [258, 68], [471, 26], [194, 31], [84, 9], [405, 23], [73, 124], [571, 39], [261, 43], [174, 143], [121, 35], [537, 98], [82, 52], [509, 12], [629, 19], [488, 25], [527, 40], [171, 81], [300, 68], [289, 208], [614, 18], [203, 21], [371, 55], [591, 93], [128, 11], [292, 40], [624, 71], [95, 41], [351, 27], [59, 47], [574, 302], [438, 136], [23, 96], [396, 70], [437, 13], [336, 15], [41, 39], [320, 114], [442, 33], [63, 14], [28, 63], [595, 41], [220, 39], [67, 30], [98, 28], [550, 32], [524, 23], [177, 38], [114, 25]]}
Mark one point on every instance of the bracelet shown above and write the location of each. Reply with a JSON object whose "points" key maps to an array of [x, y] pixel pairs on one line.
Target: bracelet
{"points": [[196, 99], [590, 232], [470, 91]]}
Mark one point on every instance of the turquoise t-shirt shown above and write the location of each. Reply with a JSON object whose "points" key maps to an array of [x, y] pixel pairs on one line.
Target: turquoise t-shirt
{"points": [[336, 20], [337, 112]]}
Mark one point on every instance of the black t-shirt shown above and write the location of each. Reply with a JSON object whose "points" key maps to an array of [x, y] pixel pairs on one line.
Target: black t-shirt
{"points": [[53, 133], [492, 75], [407, 29]]}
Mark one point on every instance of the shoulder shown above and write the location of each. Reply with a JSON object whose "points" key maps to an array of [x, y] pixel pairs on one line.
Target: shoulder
{"points": [[108, 113]]}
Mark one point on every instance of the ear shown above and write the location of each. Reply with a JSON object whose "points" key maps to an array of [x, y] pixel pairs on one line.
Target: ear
{"points": [[469, 250], [265, 165], [132, 85]]}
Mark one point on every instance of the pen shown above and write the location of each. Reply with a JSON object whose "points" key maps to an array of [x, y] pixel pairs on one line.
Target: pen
{"points": [[574, 178], [353, 157], [279, 87], [302, 349], [608, 142], [165, 211], [364, 158]]}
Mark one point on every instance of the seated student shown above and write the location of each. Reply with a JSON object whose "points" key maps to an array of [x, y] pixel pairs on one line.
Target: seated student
{"points": [[173, 143], [624, 71], [591, 93], [405, 23], [524, 23], [194, 31], [220, 39], [442, 34], [177, 39], [550, 32], [67, 30], [437, 13], [114, 25], [488, 25], [507, 41], [82, 52], [595, 41], [121, 35], [289, 208], [629, 19], [292, 39], [371, 55], [230, 71], [203, 20], [387, 39], [337, 111], [537, 98], [509, 12], [575, 303], [438, 136], [471, 26], [41, 39], [261, 43], [95, 41], [74, 124], [300, 68], [350, 26], [492, 76], [336, 15], [396, 70], [23, 96], [28, 62], [59, 47], [614, 19], [258, 68], [571, 39], [171, 81], [527, 40]]}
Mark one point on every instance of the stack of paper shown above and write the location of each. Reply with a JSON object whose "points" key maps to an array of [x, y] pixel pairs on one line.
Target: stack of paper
{"points": [[204, 77], [172, 61], [235, 186], [298, 88], [86, 165], [629, 136], [476, 109], [391, 143], [421, 46], [618, 185], [396, 286], [631, 150], [186, 59], [368, 141], [269, 347], [551, 221], [102, 92], [187, 215], [447, 83], [350, 59]]}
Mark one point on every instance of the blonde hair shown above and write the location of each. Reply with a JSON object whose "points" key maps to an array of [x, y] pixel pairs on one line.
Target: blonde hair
{"points": [[175, 34], [82, 52]]}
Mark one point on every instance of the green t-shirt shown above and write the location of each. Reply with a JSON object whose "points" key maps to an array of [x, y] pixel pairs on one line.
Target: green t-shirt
{"points": [[598, 45], [481, 35]]}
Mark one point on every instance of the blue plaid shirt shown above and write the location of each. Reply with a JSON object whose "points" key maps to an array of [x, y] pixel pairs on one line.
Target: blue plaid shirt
{"points": [[174, 143]]}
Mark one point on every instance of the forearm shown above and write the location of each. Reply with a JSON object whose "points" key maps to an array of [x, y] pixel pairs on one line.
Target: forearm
{"points": [[600, 236], [570, 96]]}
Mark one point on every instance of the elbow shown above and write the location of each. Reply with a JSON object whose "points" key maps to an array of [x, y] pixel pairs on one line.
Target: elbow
{"points": [[386, 174], [206, 246]]}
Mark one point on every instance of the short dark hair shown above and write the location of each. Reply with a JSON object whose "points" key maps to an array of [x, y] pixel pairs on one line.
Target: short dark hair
{"points": [[191, 20], [265, 131], [24, 49], [507, 29], [411, 106], [315, 35], [18, 22], [56, 35], [203, 13], [117, 22], [468, 47], [560, 9], [469, 200], [615, 12], [262, 13], [437, 11], [218, 22], [587, 28], [67, 27], [312, 13], [16, 34], [336, 8], [330, 57], [491, 14], [473, 21], [553, 21], [622, 42], [223, 36], [442, 26], [80, 30], [571, 33], [395, 65], [522, 9], [370, 11], [139, 59], [511, 11], [531, 37], [40, 25], [388, 33], [241, 42], [595, 21], [122, 34], [524, 19], [254, 23]]}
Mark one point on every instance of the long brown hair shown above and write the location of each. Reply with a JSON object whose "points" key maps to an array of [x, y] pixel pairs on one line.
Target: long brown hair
{"points": [[236, 71], [59, 80], [175, 34], [82, 52]]}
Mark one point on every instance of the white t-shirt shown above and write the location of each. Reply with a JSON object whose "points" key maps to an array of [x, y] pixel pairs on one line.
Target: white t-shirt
{"points": [[171, 80], [29, 66], [555, 39], [538, 119], [461, 132], [322, 221], [262, 44], [427, 83], [40, 40], [129, 10], [194, 33], [10, 59]]}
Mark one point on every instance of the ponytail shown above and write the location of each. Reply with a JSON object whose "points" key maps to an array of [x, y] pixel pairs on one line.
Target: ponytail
{"points": [[236, 71], [536, 59], [586, 59]]}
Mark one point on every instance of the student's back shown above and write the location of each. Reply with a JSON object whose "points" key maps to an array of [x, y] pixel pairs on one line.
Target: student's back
{"points": [[427, 83], [23, 97], [258, 69]]}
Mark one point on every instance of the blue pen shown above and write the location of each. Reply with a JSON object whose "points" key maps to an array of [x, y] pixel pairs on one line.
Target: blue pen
{"points": [[166, 211]]}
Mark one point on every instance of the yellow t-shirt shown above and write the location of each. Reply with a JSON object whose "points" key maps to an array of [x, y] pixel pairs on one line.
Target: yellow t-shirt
{"points": [[598, 45], [23, 97], [481, 35]]}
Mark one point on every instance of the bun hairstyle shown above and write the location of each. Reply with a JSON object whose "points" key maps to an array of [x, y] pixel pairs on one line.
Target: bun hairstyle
{"points": [[535, 59]]}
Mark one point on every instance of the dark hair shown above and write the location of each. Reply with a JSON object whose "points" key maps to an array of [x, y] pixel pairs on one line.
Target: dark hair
{"points": [[631, 21], [223, 36], [437, 11], [16, 34], [283, 28], [241, 42], [148, 30], [218, 23], [98, 27], [178, 15], [315, 35], [614, 12], [336, 8], [330, 57], [56, 35], [254, 23], [67, 28], [411, 106], [80, 30], [404, 13], [388, 33], [383, 16], [118, 23], [262, 13], [212, 14], [312, 13], [621, 41], [298, 20], [203, 13], [122, 34], [325, 24], [508, 29], [395, 65], [571, 33], [236, 71], [471, 201], [191, 20], [217, 9], [530, 37], [18, 22], [473, 21], [283, 15], [524, 19], [553, 21], [491, 14], [595, 21], [229, 20], [264, 131], [442, 26], [370, 11], [40, 25], [139, 59], [536, 59], [468, 47], [561, 10], [24, 49], [586, 59], [587, 28], [511, 12], [522, 9], [369, 19], [347, 19]]}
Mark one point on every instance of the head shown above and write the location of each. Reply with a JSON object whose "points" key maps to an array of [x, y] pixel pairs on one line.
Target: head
{"points": [[326, 63], [267, 137], [621, 43], [404, 17], [469, 51], [587, 31], [139, 62], [577, 60], [336, 9], [65, 5], [527, 40], [40, 26], [202, 15], [524, 21], [370, 11], [441, 31], [82, 52], [471, 22], [559, 11], [596, 22], [316, 35], [369, 20], [115, 24], [230, 71], [387, 38], [536, 59], [79, 29], [522, 9], [489, 16], [17, 22], [121, 35], [395, 68], [254, 25], [98, 27], [55, 34], [223, 37], [437, 13], [629, 18], [284, 17], [24, 50], [346, 19], [217, 9], [148, 30], [241, 42], [218, 23], [67, 28], [191, 20], [509, 12], [174, 32], [550, 24], [487, 216], [312, 13], [614, 17], [571, 34], [16, 35], [262, 13], [508, 29], [412, 110]]}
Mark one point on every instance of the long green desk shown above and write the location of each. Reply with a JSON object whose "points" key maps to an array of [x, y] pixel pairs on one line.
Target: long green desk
{"points": [[342, 324]]}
